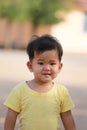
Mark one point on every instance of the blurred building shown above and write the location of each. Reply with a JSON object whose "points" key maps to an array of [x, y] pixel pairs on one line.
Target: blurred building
{"points": [[73, 31]]}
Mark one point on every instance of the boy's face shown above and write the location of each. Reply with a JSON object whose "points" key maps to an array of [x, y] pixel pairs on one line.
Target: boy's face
{"points": [[45, 66]]}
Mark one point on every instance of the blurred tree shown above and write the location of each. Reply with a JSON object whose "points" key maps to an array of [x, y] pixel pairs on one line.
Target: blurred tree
{"points": [[45, 12], [38, 12]]}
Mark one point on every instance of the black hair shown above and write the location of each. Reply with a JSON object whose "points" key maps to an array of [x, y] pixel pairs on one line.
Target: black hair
{"points": [[42, 44]]}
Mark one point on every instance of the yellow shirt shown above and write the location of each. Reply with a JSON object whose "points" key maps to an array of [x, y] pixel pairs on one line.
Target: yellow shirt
{"points": [[39, 111]]}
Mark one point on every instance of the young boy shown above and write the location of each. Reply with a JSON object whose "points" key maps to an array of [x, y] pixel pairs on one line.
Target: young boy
{"points": [[41, 102]]}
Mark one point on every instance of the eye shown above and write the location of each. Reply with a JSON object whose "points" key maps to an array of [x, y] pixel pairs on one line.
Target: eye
{"points": [[40, 63], [53, 63]]}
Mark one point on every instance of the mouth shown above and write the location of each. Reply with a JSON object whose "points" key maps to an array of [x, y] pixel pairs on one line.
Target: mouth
{"points": [[47, 74]]}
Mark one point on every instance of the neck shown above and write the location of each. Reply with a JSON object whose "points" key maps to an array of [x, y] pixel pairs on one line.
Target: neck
{"points": [[40, 87]]}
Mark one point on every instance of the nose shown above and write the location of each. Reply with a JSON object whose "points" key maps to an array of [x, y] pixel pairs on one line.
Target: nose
{"points": [[47, 67]]}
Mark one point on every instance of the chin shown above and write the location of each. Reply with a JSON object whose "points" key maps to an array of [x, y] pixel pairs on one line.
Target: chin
{"points": [[46, 81]]}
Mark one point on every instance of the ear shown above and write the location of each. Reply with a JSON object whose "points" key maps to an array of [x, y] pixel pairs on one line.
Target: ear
{"points": [[29, 65], [60, 67]]}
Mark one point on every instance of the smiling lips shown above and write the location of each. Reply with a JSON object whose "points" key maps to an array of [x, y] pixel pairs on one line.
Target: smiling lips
{"points": [[46, 73]]}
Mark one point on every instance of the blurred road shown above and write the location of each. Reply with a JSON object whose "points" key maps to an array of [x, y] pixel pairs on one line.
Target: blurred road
{"points": [[13, 70]]}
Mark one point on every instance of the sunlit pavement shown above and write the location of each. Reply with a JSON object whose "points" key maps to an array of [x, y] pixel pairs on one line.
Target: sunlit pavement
{"points": [[13, 70]]}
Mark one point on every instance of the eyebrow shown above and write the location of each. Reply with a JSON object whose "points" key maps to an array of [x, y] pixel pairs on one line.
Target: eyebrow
{"points": [[40, 59], [43, 60]]}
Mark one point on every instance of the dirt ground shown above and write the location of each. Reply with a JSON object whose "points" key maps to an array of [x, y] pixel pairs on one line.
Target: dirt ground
{"points": [[74, 75]]}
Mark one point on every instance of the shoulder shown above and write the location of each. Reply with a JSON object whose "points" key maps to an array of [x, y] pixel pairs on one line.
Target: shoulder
{"points": [[64, 97], [20, 88], [15, 97], [18, 91], [61, 90], [60, 87]]}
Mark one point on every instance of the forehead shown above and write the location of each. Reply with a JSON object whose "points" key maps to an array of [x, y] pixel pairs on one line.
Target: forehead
{"points": [[47, 55]]}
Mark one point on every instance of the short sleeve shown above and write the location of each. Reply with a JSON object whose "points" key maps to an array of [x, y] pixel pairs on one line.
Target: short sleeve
{"points": [[13, 100], [66, 102]]}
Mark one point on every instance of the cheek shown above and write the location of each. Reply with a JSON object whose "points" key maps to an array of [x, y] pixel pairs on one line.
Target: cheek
{"points": [[55, 69], [37, 68]]}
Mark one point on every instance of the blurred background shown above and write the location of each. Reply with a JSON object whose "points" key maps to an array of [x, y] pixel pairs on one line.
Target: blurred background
{"points": [[67, 21]]}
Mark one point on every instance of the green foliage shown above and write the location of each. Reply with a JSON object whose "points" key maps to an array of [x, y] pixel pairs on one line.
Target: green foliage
{"points": [[37, 11], [7, 9], [43, 11]]}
